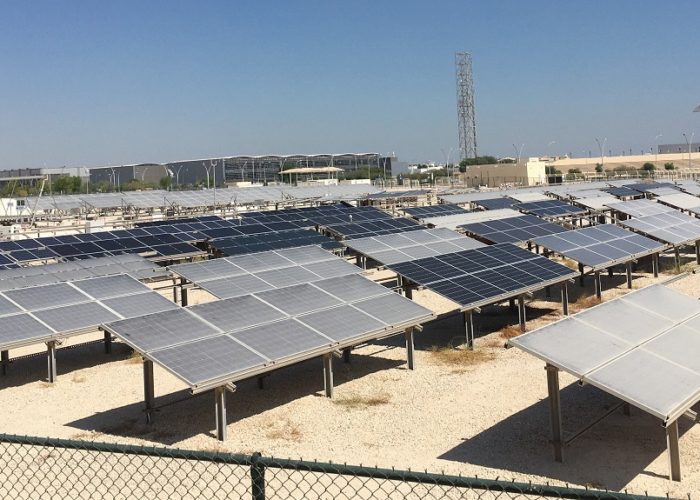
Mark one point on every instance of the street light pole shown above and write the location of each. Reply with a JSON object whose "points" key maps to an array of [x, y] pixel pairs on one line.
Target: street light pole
{"points": [[602, 152], [518, 152], [689, 143], [656, 139]]}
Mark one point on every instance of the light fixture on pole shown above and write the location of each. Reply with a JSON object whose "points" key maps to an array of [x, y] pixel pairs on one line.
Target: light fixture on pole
{"points": [[689, 143], [518, 152]]}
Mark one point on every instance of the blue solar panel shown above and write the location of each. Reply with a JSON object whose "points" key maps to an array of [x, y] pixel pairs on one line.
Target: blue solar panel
{"points": [[512, 229]]}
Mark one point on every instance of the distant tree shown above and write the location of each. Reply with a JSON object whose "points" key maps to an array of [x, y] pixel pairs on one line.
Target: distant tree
{"points": [[669, 166], [67, 184], [648, 167], [551, 170], [506, 160], [575, 171], [165, 182], [599, 168], [479, 160]]}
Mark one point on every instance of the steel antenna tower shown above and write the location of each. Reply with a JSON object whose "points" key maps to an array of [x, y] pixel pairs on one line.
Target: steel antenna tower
{"points": [[466, 119]]}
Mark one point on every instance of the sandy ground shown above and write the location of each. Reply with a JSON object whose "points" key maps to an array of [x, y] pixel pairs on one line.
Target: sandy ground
{"points": [[479, 414]]}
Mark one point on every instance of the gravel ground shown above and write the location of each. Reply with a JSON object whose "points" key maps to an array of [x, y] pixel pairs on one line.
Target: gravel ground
{"points": [[479, 414]]}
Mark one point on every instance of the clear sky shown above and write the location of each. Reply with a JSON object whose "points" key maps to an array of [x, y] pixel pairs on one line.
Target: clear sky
{"points": [[89, 82]]}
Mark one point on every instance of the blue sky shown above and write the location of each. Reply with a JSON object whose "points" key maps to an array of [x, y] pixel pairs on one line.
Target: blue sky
{"points": [[89, 83]]}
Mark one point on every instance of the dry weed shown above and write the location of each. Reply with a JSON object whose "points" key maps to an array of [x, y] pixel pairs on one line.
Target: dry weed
{"points": [[284, 430], [86, 435], [509, 332], [359, 401], [585, 303], [134, 359], [459, 360]]}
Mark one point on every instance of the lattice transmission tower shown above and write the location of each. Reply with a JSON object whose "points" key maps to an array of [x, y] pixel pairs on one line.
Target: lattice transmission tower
{"points": [[466, 119]]}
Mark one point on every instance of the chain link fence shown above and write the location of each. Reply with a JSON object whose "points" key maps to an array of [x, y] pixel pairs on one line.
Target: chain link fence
{"points": [[46, 468]]}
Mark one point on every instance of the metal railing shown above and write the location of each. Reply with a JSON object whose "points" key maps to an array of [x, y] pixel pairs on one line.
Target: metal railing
{"points": [[32, 467]]}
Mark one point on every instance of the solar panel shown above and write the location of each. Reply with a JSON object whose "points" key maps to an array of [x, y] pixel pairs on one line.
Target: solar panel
{"points": [[207, 359], [131, 306], [550, 208], [230, 315], [373, 228], [484, 275], [433, 210], [512, 229], [341, 323], [403, 247], [281, 339], [110, 286], [390, 309], [681, 200], [21, 328], [76, 317], [640, 208], [351, 288], [298, 299], [495, 203], [600, 246], [647, 363], [672, 227], [45, 296], [235, 286]]}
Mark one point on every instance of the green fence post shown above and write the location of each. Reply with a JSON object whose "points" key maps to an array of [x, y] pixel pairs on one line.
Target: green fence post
{"points": [[257, 477]]}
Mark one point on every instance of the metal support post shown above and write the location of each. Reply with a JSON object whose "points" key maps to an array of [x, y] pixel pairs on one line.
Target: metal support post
{"points": [[346, 354], [565, 299], [220, 407], [176, 298], [529, 245], [51, 360], [598, 287], [555, 410], [469, 328], [674, 454], [697, 252], [328, 375], [4, 360], [655, 264], [108, 342], [358, 261], [521, 312], [183, 293], [629, 275], [677, 258], [511, 304], [261, 382], [364, 262], [626, 409], [409, 348], [408, 291], [548, 292], [580, 269], [537, 249], [610, 272], [148, 389]]}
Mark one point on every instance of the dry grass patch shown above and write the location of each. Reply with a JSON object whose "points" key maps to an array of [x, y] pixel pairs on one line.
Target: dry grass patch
{"points": [[509, 332], [134, 359], [45, 385], [459, 360], [356, 401], [285, 430], [86, 435], [585, 303]]}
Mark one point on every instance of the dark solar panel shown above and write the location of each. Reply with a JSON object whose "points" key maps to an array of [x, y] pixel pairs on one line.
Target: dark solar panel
{"points": [[434, 210], [483, 275], [512, 229], [549, 208], [496, 203]]}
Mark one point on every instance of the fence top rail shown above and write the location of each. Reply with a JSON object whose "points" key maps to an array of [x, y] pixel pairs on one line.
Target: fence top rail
{"points": [[257, 461]]}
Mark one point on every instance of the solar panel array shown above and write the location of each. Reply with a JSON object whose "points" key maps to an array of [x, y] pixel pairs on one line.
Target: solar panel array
{"points": [[640, 208], [622, 191], [373, 228], [434, 210], [41, 313], [322, 215], [133, 265], [486, 275], [600, 246], [596, 202], [227, 340], [403, 247], [276, 240], [647, 187], [244, 274], [549, 208], [671, 227], [512, 229], [682, 201], [640, 348], [496, 203]]}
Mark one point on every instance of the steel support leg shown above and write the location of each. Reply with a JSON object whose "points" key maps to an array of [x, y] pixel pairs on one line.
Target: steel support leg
{"points": [[677, 258], [469, 328], [598, 286], [220, 407], [529, 245], [521, 313], [4, 361], [328, 375], [629, 275], [183, 296], [565, 299], [511, 304], [555, 410], [655, 264], [148, 389], [408, 291], [108, 342], [176, 298], [410, 359], [697, 252], [580, 270], [346, 354], [548, 292], [674, 454], [51, 360], [610, 272]]}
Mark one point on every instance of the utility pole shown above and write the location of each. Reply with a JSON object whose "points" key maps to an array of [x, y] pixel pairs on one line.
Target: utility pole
{"points": [[466, 117]]}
